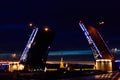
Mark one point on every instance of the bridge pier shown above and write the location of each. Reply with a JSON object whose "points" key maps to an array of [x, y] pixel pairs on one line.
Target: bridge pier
{"points": [[105, 65]]}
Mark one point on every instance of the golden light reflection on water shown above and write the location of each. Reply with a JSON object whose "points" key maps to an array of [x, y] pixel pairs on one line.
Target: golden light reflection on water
{"points": [[103, 76]]}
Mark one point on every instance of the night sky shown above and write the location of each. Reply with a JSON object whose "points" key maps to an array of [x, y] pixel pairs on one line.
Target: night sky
{"points": [[62, 16]]}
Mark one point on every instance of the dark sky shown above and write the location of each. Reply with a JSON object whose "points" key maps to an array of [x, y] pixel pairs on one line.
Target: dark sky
{"points": [[60, 15]]}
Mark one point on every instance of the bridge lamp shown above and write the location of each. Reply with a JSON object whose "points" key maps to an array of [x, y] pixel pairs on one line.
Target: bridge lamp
{"points": [[30, 24], [46, 29]]}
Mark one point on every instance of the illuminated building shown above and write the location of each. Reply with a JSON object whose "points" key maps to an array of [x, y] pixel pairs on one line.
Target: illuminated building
{"points": [[11, 66], [104, 65], [15, 66]]}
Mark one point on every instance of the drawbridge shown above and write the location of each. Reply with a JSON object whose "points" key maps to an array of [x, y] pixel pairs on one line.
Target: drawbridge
{"points": [[98, 46], [35, 53], [104, 59]]}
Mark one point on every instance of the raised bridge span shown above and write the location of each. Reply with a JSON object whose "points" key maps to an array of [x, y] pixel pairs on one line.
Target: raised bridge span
{"points": [[36, 51]]}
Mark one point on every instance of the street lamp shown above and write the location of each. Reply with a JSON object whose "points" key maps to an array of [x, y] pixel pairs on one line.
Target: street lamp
{"points": [[46, 29], [31, 25]]}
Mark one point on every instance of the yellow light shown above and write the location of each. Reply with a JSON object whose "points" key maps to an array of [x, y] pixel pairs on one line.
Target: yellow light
{"points": [[14, 67], [46, 29], [103, 60], [30, 24], [21, 67]]}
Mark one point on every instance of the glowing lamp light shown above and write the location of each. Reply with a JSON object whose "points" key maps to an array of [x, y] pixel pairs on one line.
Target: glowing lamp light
{"points": [[14, 67], [21, 67], [46, 29], [30, 24]]}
